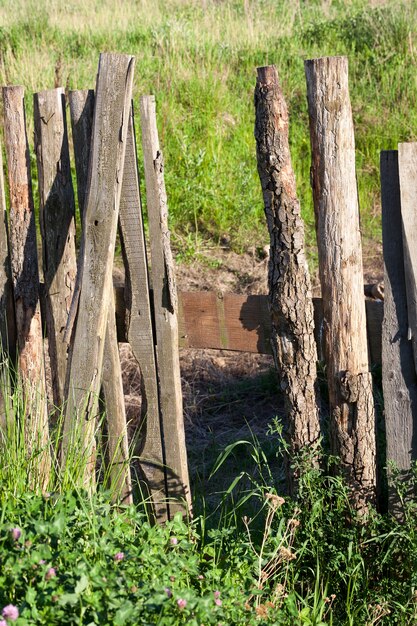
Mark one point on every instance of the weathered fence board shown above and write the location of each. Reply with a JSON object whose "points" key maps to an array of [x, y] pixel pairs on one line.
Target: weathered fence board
{"points": [[81, 103], [139, 327], [407, 165], [352, 426], [399, 379], [25, 278], [82, 109], [290, 296], [113, 97], [57, 221], [165, 313], [226, 321]]}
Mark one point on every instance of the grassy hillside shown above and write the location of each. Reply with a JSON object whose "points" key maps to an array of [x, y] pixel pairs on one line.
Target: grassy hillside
{"points": [[199, 58]]}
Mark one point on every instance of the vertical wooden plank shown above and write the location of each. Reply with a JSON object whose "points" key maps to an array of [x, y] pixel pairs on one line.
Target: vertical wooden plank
{"points": [[352, 427], [290, 296], [81, 103], [407, 166], [25, 278], [165, 308], [113, 97], [7, 322], [82, 109], [139, 325], [399, 379], [57, 221], [118, 445]]}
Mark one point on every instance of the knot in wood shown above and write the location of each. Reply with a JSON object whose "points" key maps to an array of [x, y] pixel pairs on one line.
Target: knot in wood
{"points": [[349, 387]]}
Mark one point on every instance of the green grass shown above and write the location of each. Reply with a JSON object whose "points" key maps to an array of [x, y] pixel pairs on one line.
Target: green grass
{"points": [[199, 59]]}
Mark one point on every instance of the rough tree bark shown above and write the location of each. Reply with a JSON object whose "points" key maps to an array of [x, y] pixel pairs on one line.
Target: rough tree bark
{"points": [[352, 425], [25, 278], [290, 297]]}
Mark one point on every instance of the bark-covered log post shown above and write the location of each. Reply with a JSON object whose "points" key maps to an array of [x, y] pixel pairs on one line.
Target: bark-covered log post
{"points": [[111, 116], [7, 321], [25, 278], [352, 419], [57, 220], [290, 296]]}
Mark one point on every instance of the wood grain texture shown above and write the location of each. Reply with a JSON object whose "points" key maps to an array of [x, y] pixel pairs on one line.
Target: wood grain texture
{"points": [[139, 328], [25, 278], [165, 312], [399, 379], [82, 109], [290, 295], [118, 445], [341, 275], [407, 166], [81, 104], [113, 96], [7, 321], [57, 221]]}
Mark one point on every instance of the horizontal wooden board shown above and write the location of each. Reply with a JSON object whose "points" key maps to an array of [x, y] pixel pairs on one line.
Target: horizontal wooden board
{"points": [[222, 321]]}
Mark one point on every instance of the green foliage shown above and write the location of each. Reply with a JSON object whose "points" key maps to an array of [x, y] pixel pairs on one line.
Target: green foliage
{"points": [[199, 59]]}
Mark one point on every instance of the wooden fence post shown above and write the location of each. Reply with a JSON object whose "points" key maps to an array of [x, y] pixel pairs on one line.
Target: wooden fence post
{"points": [[57, 220], [112, 105], [25, 277], [399, 379], [290, 296], [139, 327], [352, 426], [165, 311], [82, 109], [407, 165], [81, 103], [7, 322]]}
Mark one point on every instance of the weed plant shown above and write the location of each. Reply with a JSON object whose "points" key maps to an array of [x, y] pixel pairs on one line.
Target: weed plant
{"points": [[199, 58], [71, 556]]}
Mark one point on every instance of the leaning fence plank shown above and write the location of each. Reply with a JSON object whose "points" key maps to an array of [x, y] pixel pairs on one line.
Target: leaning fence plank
{"points": [[399, 379], [290, 295], [113, 96], [139, 326], [82, 109], [25, 278], [352, 426], [57, 221], [165, 308]]}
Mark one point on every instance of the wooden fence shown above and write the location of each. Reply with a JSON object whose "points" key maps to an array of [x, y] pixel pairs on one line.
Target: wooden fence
{"points": [[85, 317]]}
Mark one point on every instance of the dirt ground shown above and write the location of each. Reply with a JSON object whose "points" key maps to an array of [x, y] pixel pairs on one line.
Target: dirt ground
{"points": [[228, 396]]}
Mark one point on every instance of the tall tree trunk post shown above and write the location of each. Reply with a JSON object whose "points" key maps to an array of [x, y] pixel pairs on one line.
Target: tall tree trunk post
{"points": [[290, 297], [352, 419], [25, 278]]}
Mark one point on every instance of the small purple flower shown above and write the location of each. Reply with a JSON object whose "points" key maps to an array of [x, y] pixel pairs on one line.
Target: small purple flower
{"points": [[173, 541], [181, 603], [168, 592], [2, 622], [119, 556], [51, 573], [10, 612], [42, 562], [216, 594], [218, 602], [16, 533]]}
